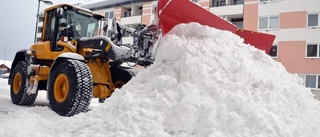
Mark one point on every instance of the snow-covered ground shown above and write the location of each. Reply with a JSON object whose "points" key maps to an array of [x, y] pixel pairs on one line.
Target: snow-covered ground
{"points": [[203, 83]]}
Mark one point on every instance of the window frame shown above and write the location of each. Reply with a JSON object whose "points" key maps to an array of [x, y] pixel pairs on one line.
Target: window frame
{"points": [[140, 11], [237, 21], [317, 84], [308, 21], [265, 1], [318, 50], [51, 29], [109, 13], [154, 8], [127, 13], [214, 3], [237, 3], [268, 23]]}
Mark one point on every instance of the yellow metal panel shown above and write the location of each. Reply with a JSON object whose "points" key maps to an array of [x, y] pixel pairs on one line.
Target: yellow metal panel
{"points": [[100, 71], [101, 91], [103, 86], [42, 72], [42, 50], [108, 47]]}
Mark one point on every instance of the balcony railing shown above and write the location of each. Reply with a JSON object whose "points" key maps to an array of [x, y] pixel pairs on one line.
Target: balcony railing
{"points": [[220, 3]]}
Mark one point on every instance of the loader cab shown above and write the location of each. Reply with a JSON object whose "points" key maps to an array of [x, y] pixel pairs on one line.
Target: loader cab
{"points": [[65, 22]]}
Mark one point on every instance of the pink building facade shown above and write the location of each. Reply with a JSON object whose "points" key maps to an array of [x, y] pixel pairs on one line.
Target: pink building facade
{"points": [[296, 24]]}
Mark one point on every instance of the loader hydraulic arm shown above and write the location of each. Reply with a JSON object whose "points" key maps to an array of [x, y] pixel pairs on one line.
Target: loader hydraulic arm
{"points": [[118, 30], [104, 48], [145, 41]]}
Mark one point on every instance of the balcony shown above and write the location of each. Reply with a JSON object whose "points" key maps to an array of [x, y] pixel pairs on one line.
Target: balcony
{"points": [[40, 24], [227, 10], [39, 35], [131, 20], [132, 15]]}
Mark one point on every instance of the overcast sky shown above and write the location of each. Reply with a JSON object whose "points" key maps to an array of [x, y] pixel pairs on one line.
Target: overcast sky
{"points": [[18, 21]]}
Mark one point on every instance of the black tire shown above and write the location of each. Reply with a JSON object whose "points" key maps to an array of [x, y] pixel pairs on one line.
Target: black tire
{"points": [[70, 88], [120, 76], [18, 86]]}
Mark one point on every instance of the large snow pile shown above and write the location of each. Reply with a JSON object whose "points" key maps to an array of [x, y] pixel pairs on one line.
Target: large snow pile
{"points": [[205, 82]]}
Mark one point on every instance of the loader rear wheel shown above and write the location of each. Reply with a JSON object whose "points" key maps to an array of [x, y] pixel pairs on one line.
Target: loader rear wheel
{"points": [[18, 86], [70, 88]]}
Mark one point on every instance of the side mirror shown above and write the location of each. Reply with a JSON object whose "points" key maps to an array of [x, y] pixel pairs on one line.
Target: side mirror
{"points": [[105, 25], [59, 12]]}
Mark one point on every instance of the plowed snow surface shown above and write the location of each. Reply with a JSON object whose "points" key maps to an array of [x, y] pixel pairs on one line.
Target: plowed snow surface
{"points": [[204, 82]]}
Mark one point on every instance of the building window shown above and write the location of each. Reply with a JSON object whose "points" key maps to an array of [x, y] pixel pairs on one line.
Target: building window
{"points": [[313, 20], [237, 2], [273, 22], [140, 11], [127, 13], [263, 23], [218, 3], [108, 33], [154, 8], [313, 50], [238, 22], [273, 51], [312, 81], [265, 0], [109, 15], [266, 23]]}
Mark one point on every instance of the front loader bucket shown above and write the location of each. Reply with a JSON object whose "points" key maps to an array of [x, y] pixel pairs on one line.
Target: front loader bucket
{"points": [[259, 40], [174, 12]]}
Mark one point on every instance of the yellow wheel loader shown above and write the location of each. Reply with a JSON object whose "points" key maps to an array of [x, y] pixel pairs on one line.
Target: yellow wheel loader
{"points": [[73, 63]]}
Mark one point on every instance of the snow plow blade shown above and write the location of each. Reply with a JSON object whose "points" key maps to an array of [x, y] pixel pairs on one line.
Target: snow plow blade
{"points": [[259, 40], [174, 12]]}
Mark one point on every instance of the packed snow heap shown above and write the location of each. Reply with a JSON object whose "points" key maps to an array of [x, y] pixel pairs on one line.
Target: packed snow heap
{"points": [[204, 82]]}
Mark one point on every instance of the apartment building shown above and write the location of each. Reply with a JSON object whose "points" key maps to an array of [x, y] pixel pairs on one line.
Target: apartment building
{"points": [[40, 26], [296, 24]]}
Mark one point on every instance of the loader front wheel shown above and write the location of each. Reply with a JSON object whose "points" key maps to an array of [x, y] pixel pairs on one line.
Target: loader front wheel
{"points": [[70, 88], [18, 86], [61, 88]]}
